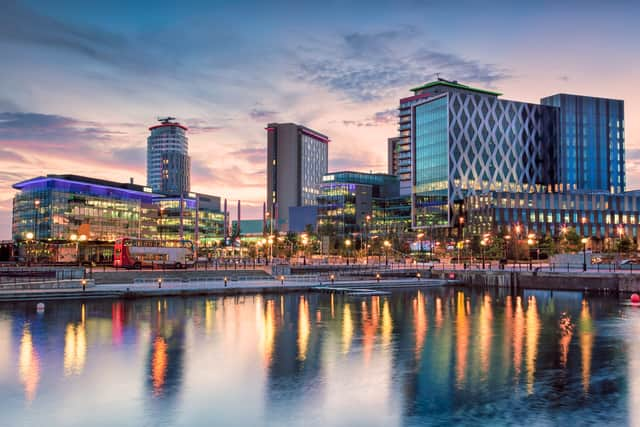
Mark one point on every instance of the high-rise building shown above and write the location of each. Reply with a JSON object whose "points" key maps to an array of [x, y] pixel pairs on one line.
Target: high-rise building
{"points": [[168, 162], [297, 159], [467, 141], [590, 152]]}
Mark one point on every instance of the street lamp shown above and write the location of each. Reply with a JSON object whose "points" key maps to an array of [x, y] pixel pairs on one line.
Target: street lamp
{"points": [[366, 238], [620, 234], [386, 244], [483, 243], [305, 242], [347, 244], [420, 236], [530, 243], [29, 237], [584, 253]]}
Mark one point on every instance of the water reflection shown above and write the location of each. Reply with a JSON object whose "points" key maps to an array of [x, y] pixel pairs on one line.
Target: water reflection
{"points": [[440, 356], [29, 364]]}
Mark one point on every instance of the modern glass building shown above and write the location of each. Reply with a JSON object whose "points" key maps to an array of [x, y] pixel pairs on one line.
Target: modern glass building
{"points": [[466, 141], [297, 159], [63, 208], [590, 151], [168, 162], [600, 215], [193, 216], [57, 207], [348, 199]]}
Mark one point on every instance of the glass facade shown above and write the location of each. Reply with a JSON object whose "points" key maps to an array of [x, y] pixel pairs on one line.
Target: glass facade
{"points": [[431, 167], [591, 214], [590, 153], [58, 207]]}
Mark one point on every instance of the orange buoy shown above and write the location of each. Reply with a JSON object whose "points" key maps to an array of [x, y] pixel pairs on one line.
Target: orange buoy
{"points": [[635, 298]]}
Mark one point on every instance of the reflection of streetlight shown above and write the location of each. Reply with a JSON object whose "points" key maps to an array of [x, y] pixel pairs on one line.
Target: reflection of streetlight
{"points": [[584, 253]]}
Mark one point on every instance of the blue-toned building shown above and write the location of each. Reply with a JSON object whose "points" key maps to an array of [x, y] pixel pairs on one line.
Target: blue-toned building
{"points": [[590, 150], [349, 201], [468, 141]]}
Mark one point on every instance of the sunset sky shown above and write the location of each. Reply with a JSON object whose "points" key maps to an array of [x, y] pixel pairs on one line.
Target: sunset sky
{"points": [[80, 82]]}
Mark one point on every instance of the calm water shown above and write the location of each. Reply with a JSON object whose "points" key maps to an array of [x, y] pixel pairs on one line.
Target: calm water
{"points": [[437, 357]]}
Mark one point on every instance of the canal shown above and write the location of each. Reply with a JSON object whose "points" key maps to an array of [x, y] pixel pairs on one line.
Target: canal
{"points": [[441, 356]]}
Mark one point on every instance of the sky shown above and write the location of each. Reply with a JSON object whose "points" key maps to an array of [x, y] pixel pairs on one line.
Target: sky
{"points": [[81, 82]]}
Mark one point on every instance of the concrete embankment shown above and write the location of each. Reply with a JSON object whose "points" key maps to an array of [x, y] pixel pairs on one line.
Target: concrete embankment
{"points": [[561, 281], [217, 287], [131, 276]]}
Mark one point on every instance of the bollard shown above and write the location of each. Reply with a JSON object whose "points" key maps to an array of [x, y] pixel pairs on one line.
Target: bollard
{"points": [[159, 282], [418, 275], [282, 280], [84, 284], [332, 277], [225, 281], [378, 277]]}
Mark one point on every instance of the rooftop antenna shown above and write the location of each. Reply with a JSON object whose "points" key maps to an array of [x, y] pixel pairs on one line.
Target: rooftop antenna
{"points": [[438, 76], [166, 120]]}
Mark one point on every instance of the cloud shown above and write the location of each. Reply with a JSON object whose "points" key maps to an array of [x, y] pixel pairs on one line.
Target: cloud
{"points": [[263, 115], [198, 126], [50, 128], [377, 119], [20, 24], [369, 66], [365, 162], [253, 155]]}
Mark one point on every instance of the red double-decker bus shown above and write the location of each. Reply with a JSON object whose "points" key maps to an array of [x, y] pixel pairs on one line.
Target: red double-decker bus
{"points": [[130, 252]]}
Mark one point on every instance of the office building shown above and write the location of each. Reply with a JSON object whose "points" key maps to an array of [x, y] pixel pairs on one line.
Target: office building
{"points": [[347, 199], [61, 207], [297, 159], [600, 216], [590, 151], [467, 141], [192, 216], [168, 162]]}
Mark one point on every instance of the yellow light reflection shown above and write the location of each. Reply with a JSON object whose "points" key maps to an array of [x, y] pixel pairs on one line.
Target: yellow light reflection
{"points": [[304, 328], [29, 364], [347, 328], [518, 338], [566, 333], [159, 365], [387, 324], [533, 332], [438, 316], [209, 316], [462, 339], [586, 344], [419, 323], [369, 327], [75, 349], [485, 321]]}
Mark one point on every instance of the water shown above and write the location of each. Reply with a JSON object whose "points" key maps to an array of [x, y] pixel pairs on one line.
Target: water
{"points": [[437, 357]]}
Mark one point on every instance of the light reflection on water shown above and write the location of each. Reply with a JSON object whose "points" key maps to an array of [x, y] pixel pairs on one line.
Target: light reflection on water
{"points": [[431, 357]]}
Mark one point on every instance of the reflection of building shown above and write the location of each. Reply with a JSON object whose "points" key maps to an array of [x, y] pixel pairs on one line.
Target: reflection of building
{"points": [[168, 163], [296, 161]]}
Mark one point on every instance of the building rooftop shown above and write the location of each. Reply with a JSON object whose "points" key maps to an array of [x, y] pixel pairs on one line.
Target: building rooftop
{"points": [[456, 85]]}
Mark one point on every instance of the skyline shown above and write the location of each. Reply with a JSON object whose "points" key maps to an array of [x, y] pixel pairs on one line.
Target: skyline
{"points": [[343, 77]]}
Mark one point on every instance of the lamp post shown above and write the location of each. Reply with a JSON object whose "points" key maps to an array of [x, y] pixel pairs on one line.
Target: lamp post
{"points": [[483, 243], [518, 228], [366, 238], [74, 239], [387, 244], [270, 241], [620, 235], [305, 242], [530, 243], [29, 237], [584, 253], [420, 236], [35, 227], [347, 244]]}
